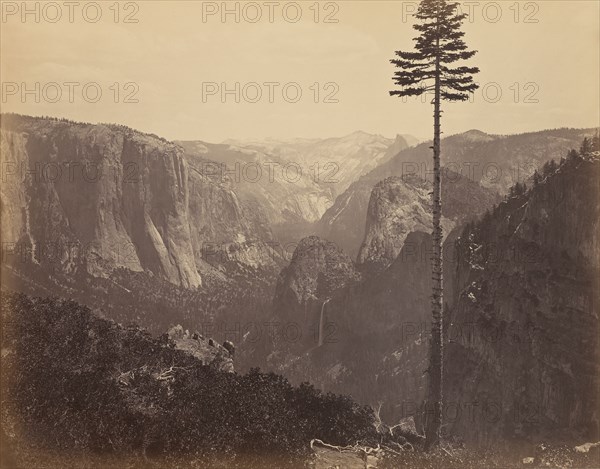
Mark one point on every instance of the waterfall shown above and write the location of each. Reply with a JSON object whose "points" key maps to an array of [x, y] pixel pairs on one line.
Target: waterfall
{"points": [[322, 322]]}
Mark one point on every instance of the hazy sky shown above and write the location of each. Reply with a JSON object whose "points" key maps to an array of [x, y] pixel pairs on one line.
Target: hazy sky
{"points": [[543, 57]]}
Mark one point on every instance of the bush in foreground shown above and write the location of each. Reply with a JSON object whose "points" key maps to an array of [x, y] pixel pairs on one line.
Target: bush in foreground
{"points": [[74, 382]]}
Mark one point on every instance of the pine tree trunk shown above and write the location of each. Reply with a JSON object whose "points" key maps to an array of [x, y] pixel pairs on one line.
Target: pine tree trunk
{"points": [[434, 404]]}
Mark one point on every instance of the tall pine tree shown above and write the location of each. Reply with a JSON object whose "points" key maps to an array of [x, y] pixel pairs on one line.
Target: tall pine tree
{"points": [[432, 68]]}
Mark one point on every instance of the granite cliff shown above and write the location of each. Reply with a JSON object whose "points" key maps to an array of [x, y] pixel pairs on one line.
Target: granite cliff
{"points": [[495, 162], [523, 335], [98, 197], [399, 205], [521, 326]]}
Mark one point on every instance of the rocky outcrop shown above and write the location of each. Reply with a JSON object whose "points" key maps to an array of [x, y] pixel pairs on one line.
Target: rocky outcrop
{"points": [[401, 142], [318, 268], [204, 349], [317, 271], [494, 162], [97, 197], [397, 207], [376, 348], [522, 349], [523, 340], [294, 181]]}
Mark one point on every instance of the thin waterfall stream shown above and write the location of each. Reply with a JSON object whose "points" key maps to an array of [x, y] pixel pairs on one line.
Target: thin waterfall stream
{"points": [[322, 322]]}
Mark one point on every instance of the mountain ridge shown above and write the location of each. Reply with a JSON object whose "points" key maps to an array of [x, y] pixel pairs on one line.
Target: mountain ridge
{"points": [[496, 162], [108, 196]]}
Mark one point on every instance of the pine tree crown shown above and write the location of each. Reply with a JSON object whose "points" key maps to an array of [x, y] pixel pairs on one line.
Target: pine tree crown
{"points": [[440, 44]]}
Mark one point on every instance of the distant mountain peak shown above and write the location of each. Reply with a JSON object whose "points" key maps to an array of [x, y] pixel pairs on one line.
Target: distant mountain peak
{"points": [[475, 135], [360, 132], [362, 136]]}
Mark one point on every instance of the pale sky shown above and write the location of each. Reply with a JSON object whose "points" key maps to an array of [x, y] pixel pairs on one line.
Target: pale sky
{"points": [[545, 51]]}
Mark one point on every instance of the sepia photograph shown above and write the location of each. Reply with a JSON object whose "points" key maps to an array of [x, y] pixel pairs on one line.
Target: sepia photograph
{"points": [[351, 234]]}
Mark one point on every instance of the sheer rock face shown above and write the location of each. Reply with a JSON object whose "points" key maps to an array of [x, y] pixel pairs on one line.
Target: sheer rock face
{"points": [[523, 339], [286, 192], [522, 357], [318, 268], [102, 196], [375, 346], [397, 207], [492, 161], [294, 181]]}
